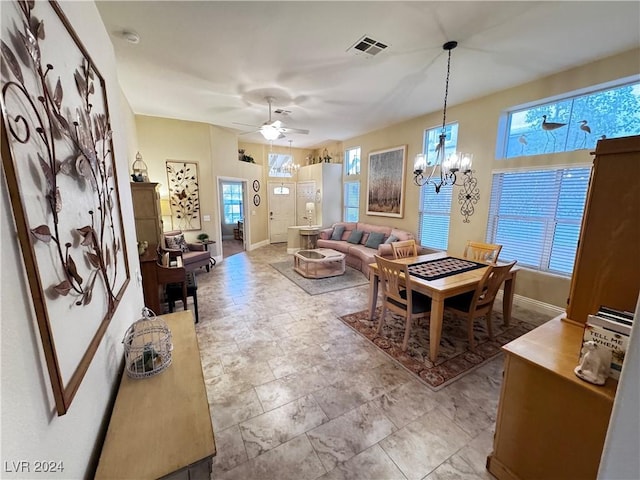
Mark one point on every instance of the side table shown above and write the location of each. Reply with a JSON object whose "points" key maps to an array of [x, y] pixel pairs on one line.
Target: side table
{"points": [[206, 244], [309, 238]]}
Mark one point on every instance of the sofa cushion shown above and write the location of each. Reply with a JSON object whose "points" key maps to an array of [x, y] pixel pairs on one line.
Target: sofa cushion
{"points": [[401, 234], [375, 239], [355, 237], [337, 245], [391, 239], [385, 250], [338, 230]]}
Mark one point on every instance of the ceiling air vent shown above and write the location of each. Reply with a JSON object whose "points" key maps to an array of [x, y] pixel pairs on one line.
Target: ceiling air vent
{"points": [[367, 46]]}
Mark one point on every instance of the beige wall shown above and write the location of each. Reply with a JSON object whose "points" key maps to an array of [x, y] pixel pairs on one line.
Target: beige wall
{"points": [[31, 430], [215, 150], [478, 121]]}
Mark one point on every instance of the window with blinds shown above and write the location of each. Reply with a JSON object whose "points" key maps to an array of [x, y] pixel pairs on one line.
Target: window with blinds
{"points": [[232, 202], [434, 216], [536, 216], [351, 201]]}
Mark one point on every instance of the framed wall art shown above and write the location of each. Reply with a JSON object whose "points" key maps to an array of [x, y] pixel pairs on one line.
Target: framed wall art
{"points": [[57, 154], [184, 195], [385, 182]]}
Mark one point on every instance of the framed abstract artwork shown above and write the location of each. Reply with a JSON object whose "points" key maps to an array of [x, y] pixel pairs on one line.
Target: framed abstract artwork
{"points": [[386, 180], [57, 154], [184, 195]]}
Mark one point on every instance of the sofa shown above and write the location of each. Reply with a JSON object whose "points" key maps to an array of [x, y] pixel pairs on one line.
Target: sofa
{"points": [[360, 249]]}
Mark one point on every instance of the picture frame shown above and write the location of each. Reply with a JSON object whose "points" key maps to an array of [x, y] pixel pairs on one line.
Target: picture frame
{"points": [[386, 182], [256, 200], [256, 185], [58, 158], [184, 195]]}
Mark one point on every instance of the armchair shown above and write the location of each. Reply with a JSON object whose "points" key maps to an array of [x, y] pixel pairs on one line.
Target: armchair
{"points": [[193, 255]]}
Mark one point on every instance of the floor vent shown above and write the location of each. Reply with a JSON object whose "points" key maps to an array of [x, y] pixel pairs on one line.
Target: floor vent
{"points": [[367, 46]]}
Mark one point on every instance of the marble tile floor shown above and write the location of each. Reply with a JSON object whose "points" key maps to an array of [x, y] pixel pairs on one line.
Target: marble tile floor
{"points": [[295, 394]]}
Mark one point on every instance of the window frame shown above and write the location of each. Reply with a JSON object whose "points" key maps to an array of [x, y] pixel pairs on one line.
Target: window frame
{"points": [[351, 179], [554, 242], [572, 137], [226, 202]]}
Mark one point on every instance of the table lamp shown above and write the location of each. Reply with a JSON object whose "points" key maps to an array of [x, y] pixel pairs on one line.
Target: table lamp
{"points": [[310, 207]]}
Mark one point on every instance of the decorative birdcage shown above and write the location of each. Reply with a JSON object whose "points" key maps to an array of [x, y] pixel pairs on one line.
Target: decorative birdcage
{"points": [[140, 172], [147, 346]]}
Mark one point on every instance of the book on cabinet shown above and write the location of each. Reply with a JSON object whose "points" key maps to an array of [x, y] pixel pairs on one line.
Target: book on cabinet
{"points": [[611, 340]]}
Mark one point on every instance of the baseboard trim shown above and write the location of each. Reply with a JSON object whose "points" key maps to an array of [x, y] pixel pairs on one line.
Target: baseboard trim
{"points": [[253, 246], [532, 304]]}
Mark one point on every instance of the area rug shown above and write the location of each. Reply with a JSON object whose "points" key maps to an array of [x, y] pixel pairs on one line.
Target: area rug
{"points": [[454, 358], [317, 286]]}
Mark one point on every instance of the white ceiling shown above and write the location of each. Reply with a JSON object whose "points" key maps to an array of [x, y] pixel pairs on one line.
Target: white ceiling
{"points": [[215, 62]]}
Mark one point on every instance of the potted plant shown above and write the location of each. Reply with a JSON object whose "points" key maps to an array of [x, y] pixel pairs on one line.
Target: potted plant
{"points": [[203, 237]]}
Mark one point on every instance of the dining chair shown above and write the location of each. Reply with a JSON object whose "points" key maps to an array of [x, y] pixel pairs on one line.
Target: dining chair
{"points": [[399, 296], [404, 249], [480, 301], [483, 252]]}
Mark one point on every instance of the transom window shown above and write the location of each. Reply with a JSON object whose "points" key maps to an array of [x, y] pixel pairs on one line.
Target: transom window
{"points": [[536, 216], [276, 163], [352, 161], [572, 123]]}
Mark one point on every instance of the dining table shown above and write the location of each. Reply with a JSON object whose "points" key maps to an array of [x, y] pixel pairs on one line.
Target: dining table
{"points": [[442, 288]]}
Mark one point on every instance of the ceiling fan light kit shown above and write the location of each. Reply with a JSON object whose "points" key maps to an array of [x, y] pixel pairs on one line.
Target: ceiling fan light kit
{"points": [[274, 129]]}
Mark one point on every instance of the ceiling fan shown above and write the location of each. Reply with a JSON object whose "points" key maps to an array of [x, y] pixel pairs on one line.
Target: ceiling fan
{"points": [[274, 129]]}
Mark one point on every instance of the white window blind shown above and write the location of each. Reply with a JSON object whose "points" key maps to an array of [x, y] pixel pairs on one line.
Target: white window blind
{"points": [[435, 213], [351, 201], [536, 216]]}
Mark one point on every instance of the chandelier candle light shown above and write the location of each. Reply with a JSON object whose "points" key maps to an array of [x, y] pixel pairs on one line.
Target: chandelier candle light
{"points": [[442, 171]]}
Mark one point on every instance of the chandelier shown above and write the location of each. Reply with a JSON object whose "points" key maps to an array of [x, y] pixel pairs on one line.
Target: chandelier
{"points": [[442, 170], [290, 167]]}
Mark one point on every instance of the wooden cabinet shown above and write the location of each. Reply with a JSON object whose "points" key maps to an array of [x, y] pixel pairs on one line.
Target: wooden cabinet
{"points": [[160, 426], [607, 268], [551, 424], [146, 211]]}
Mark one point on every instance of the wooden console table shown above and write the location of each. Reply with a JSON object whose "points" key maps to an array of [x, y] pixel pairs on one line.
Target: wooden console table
{"points": [[160, 426], [550, 424]]}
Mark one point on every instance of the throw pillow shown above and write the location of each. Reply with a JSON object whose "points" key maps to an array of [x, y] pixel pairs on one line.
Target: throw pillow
{"points": [[391, 239], [375, 239], [337, 232], [355, 236], [177, 242]]}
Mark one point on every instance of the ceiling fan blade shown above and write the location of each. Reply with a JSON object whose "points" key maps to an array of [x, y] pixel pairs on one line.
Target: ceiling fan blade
{"points": [[294, 130], [247, 133], [246, 124]]}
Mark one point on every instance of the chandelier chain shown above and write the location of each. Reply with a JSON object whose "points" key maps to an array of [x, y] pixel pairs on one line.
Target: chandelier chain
{"points": [[446, 93]]}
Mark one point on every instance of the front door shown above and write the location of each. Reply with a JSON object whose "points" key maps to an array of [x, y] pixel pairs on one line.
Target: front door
{"points": [[282, 210]]}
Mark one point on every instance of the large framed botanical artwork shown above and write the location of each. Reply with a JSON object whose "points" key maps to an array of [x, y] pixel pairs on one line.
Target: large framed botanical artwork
{"points": [[184, 195], [60, 170], [385, 186]]}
